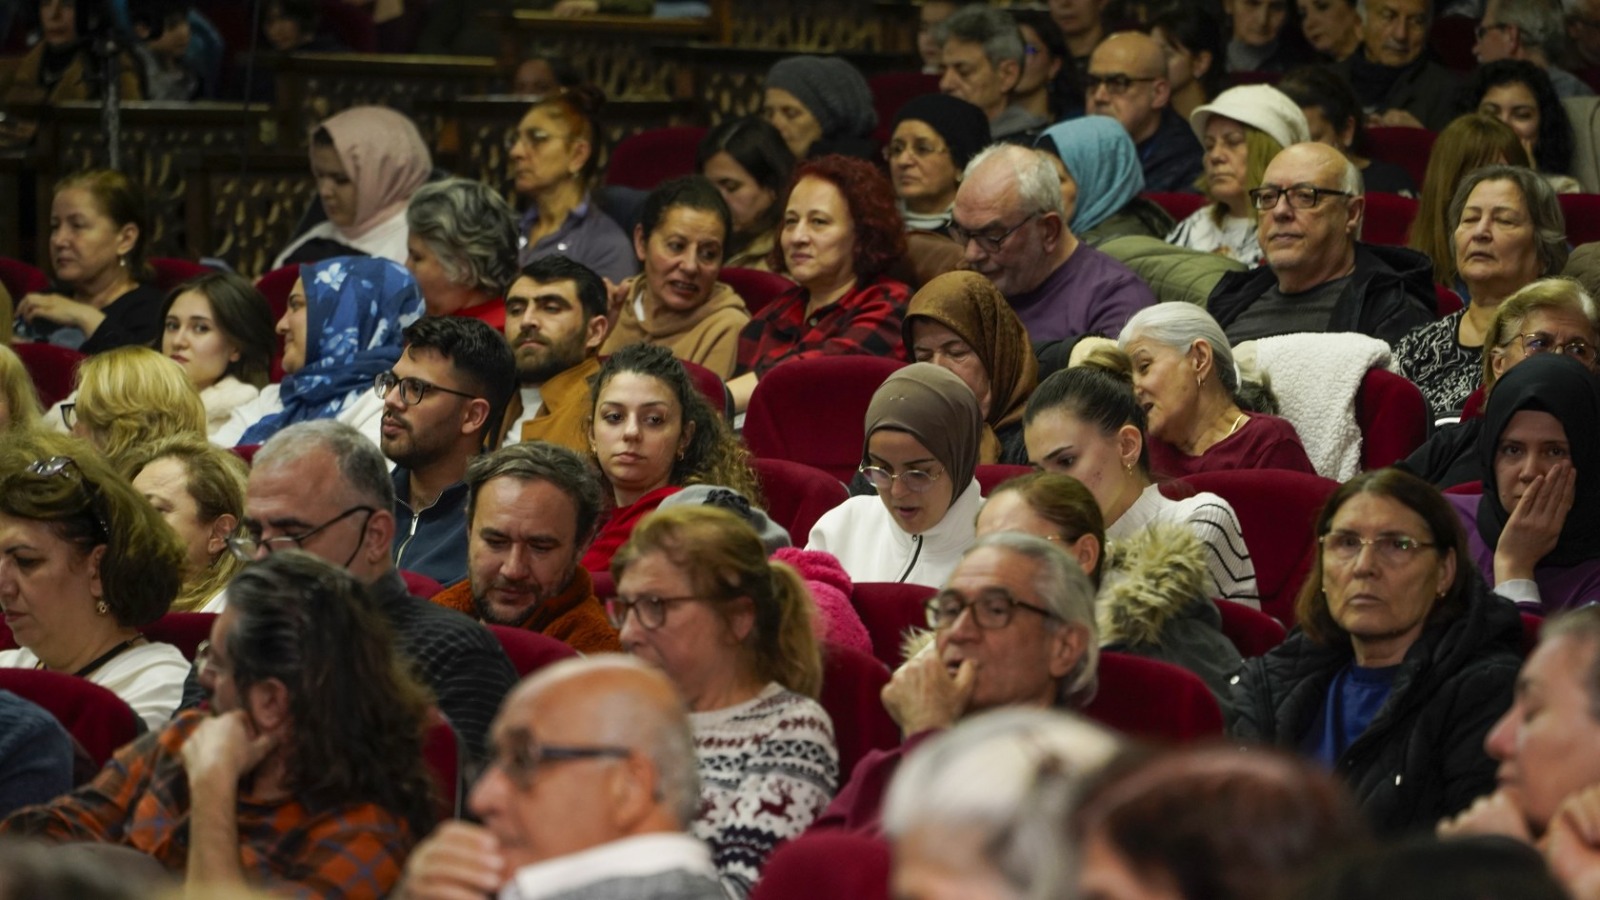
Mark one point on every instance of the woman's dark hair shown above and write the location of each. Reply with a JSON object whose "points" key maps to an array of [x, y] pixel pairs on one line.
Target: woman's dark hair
{"points": [[579, 109], [691, 191], [1444, 533], [1553, 153], [122, 201], [880, 231], [1098, 395], [244, 318], [1426, 868], [1324, 88], [757, 146], [1065, 90], [1195, 30]]}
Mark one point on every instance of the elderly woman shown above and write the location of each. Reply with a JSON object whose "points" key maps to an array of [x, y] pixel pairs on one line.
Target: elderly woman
{"points": [[367, 162], [19, 401], [1185, 379], [1402, 655], [961, 322], [1468, 143], [1336, 118], [1331, 27], [198, 488], [1101, 179], [750, 164], [840, 232], [1519, 93], [462, 249], [127, 398], [679, 303], [821, 105], [651, 434], [1241, 131], [934, 137], [342, 328], [218, 327], [85, 561], [1265, 36], [1508, 231], [697, 597], [922, 435], [98, 298]]}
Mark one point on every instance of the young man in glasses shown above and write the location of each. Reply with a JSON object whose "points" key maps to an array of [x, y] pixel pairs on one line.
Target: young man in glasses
{"points": [[1127, 81]]}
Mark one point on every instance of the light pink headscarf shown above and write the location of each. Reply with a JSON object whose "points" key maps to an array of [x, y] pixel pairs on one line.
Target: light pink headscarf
{"points": [[383, 153]]}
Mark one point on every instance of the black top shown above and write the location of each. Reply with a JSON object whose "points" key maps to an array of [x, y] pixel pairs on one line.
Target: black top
{"points": [[132, 319]]}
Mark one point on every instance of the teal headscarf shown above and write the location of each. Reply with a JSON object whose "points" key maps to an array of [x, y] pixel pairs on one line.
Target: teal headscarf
{"points": [[1102, 159]]}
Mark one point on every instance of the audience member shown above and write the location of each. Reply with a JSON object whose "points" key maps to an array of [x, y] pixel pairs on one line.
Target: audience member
{"points": [[162, 30], [555, 324], [923, 429], [36, 755], [934, 138], [821, 105], [1265, 35], [1333, 28], [1334, 117], [543, 73], [750, 164], [1397, 82], [929, 14], [1582, 17], [981, 58], [295, 26], [323, 487], [1468, 143], [61, 67], [283, 784], [1422, 868], [1101, 181], [1082, 23], [1127, 80], [1191, 38], [1527, 30], [131, 396], [19, 401], [461, 247], [1317, 276], [1058, 508], [1519, 94], [1401, 663], [198, 488], [1048, 86], [219, 328], [468, 371], [697, 597]]}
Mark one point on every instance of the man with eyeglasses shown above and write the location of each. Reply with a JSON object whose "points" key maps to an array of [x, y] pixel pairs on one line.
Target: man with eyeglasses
{"points": [[1529, 30], [980, 60], [1013, 626], [1127, 81], [1393, 76], [441, 402], [590, 789], [1317, 277], [323, 488]]}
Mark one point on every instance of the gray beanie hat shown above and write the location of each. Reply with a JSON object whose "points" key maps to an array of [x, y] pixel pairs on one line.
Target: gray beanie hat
{"points": [[772, 534], [831, 89], [1260, 106]]}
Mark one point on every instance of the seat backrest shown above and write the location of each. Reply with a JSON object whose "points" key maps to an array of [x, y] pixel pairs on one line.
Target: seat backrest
{"points": [[892, 90], [1252, 632], [1393, 417], [530, 651], [1445, 301], [646, 159], [888, 611], [993, 475], [710, 386], [99, 720], [22, 279], [1582, 212], [1407, 148], [420, 585], [171, 272], [797, 495], [813, 411], [184, 630], [275, 286], [443, 752], [53, 369], [852, 684], [826, 864], [1153, 700], [1531, 626], [1179, 206], [1388, 219], [756, 287]]}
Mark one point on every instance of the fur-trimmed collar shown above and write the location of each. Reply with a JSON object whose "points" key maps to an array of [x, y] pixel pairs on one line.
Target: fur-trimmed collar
{"points": [[1149, 578]]}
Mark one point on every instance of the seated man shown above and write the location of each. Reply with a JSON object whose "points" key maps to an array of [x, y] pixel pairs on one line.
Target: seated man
{"points": [[247, 793], [980, 57], [1393, 76], [531, 513], [592, 788], [555, 324], [1317, 276], [1528, 30], [1127, 81]]}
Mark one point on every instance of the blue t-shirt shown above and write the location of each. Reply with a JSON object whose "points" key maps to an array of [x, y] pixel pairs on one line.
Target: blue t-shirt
{"points": [[1354, 698]]}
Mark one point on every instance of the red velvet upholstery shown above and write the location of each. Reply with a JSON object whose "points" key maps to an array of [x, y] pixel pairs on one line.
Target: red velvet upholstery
{"points": [[1465, 487], [835, 864], [646, 159], [797, 495], [1277, 510], [1178, 205], [851, 684], [1582, 212], [420, 585], [172, 272], [813, 410], [1393, 417], [22, 279], [52, 369], [246, 452], [993, 475], [184, 630], [1445, 301], [1407, 148], [442, 750], [1388, 219], [1532, 624], [98, 719], [530, 651], [758, 288], [275, 286], [1153, 700], [1253, 633], [892, 90], [1473, 408], [710, 386], [888, 611], [604, 587]]}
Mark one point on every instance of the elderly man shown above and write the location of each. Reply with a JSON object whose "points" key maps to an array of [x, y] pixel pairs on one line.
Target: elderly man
{"points": [[1014, 626], [593, 784], [1583, 31], [555, 324], [1529, 30], [531, 513], [980, 61], [323, 488], [1393, 77], [1127, 81], [1012, 225], [247, 792], [1317, 276]]}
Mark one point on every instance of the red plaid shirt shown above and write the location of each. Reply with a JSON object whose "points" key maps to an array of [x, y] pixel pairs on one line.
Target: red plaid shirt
{"points": [[141, 800], [864, 322]]}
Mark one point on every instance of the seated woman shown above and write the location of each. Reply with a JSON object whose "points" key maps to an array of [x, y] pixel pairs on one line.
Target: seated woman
{"points": [[19, 401], [1402, 655], [697, 597], [1192, 40], [341, 330], [1331, 27], [922, 433], [821, 105], [99, 298], [1468, 143], [1527, 532], [652, 434], [555, 167], [129, 397], [678, 302], [840, 232], [1048, 87], [1519, 93], [961, 322], [198, 488], [367, 162], [1084, 422], [61, 67], [462, 249], [218, 327], [1508, 231], [1201, 419], [934, 137], [1101, 179], [74, 588], [1241, 131], [1265, 36], [1336, 118], [750, 164]]}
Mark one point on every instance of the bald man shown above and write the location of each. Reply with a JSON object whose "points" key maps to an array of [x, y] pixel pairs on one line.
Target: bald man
{"points": [[589, 792], [1318, 277], [1127, 81]]}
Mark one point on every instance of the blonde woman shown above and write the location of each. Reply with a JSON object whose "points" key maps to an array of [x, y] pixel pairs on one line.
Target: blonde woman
{"points": [[19, 401], [129, 397], [198, 488]]}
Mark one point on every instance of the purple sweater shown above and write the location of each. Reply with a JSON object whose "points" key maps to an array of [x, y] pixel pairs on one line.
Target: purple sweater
{"points": [[1560, 587], [1090, 293]]}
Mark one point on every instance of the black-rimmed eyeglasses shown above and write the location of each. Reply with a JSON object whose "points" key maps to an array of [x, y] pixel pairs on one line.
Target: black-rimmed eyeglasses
{"points": [[988, 241], [412, 390], [519, 753], [992, 608], [1301, 196], [247, 543]]}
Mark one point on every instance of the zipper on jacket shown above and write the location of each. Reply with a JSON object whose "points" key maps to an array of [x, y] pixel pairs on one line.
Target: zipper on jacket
{"points": [[916, 551], [416, 517]]}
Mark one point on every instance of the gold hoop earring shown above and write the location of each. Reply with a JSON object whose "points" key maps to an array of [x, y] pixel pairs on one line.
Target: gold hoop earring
{"points": [[102, 608]]}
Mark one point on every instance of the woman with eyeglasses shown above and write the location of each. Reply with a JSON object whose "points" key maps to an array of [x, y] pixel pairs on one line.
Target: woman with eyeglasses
{"points": [[1509, 230], [923, 430], [84, 562], [698, 598], [934, 137], [198, 488], [342, 328], [1402, 661]]}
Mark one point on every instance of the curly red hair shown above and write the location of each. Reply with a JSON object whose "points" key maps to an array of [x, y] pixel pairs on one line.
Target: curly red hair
{"points": [[880, 232]]}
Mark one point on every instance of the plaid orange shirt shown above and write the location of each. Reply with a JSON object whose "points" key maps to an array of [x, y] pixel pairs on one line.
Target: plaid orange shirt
{"points": [[141, 800]]}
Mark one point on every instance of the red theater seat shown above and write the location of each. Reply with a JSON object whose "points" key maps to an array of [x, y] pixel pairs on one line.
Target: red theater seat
{"points": [[1407, 148], [1252, 632], [184, 630], [995, 474], [813, 411], [757, 287], [169, 273], [797, 495], [1388, 219], [1393, 417], [1153, 700], [644, 160], [834, 864], [22, 279], [852, 683], [53, 369], [100, 721], [1179, 206], [530, 651], [1582, 212], [889, 611]]}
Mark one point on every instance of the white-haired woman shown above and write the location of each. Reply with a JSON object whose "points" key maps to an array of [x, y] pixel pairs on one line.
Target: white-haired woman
{"points": [[462, 249]]}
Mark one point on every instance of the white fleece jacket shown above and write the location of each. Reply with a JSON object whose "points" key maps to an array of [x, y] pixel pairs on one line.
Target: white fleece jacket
{"points": [[872, 547]]}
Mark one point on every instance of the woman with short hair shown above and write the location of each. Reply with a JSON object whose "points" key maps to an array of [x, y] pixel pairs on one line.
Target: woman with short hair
{"points": [[198, 488], [129, 397], [462, 249]]}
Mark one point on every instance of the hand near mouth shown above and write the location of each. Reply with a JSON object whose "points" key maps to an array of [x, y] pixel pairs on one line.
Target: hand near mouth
{"points": [[1496, 814], [1534, 526], [924, 695]]}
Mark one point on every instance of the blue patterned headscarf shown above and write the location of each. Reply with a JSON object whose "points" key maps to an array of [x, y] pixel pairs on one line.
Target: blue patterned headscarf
{"points": [[356, 309], [1102, 159]]}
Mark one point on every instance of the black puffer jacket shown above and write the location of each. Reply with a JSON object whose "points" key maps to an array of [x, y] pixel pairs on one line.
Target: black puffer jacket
{"points": [[1422, 758]]}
